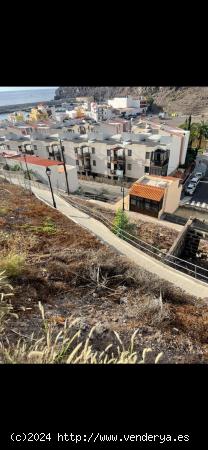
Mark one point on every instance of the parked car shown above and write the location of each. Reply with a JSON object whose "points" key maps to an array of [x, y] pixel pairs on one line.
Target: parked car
{"points": [[195, 180], [198, 175], [190, 189]]}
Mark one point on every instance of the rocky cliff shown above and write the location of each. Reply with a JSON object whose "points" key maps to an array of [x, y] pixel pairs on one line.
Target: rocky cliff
{"points": [[184, 100]]}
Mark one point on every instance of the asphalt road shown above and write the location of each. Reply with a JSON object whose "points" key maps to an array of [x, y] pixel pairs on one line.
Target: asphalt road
{"points": [[201, 192]]}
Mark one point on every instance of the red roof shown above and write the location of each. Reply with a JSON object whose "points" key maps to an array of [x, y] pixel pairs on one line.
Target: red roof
{"points": [[38, 161], [149, 192]]}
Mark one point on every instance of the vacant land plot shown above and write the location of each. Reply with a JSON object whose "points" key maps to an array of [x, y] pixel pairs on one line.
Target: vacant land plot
{"points": [[50, 259]]}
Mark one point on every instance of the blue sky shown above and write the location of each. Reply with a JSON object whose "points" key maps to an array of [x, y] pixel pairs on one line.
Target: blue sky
{"points": [[24, 88]]}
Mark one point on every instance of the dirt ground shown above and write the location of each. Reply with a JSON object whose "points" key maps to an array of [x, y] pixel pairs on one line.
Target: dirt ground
{"points": [[73, 274]]}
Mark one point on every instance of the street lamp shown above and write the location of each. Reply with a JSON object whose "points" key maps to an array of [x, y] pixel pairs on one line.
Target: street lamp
{"points": [[24, 156], [122, 190], [48, 173], [64, 164]]}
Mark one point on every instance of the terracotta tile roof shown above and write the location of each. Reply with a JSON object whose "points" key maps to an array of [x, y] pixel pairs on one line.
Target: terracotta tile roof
{"points": [[149, 192], [38, 161]]}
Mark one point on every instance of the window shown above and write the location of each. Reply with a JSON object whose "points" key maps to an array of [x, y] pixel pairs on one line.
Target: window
{"points": [[108, 165], [77, 162], [147, 155], [128, 166], [8, 147], [146, 169], [75, 150], [133, 201], [129, 154], [94, 162], [35, 147], [108, 152], [93, 150]]}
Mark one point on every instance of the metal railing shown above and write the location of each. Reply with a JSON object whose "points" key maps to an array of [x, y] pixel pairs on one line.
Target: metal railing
{"points": [[179, 264], [184, 266]]}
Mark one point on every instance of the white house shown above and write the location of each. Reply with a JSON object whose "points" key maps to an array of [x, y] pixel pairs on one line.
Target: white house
{"points": [[38, 167], [124, 103]]}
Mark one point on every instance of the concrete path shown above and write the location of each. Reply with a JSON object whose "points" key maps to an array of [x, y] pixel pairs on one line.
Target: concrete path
{"points": [[185, 282]]}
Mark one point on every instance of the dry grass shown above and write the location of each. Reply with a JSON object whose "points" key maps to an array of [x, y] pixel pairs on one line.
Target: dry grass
{"points": [[73, 274], [13, 264], [70, 349]]}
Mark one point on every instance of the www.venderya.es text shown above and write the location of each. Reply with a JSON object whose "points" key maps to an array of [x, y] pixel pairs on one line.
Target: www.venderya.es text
{"points": [[74, 438]]}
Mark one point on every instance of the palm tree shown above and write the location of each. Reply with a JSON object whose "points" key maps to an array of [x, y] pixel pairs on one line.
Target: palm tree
{"points": [[199, 131]]}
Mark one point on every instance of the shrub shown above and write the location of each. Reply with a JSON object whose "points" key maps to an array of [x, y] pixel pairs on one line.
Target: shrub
{"points": [[121, 223], [12, 264], [4, 211]]}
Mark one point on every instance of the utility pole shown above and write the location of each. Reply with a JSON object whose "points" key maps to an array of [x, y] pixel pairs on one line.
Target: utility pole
{"points": [[64, 164]]}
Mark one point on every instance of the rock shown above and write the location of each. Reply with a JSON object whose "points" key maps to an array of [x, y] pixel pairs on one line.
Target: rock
{"points": [[123, 300], [94, 295], [175, 330]]}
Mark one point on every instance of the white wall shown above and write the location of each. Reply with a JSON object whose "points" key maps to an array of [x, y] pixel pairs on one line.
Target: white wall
{"points": [[58, 180]]}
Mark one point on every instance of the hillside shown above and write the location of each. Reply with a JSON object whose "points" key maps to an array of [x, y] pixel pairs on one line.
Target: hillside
{"points": [[50, 259], [183, 100]]}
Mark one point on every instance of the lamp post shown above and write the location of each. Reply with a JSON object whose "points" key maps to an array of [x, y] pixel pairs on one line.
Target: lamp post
{"points": [[122, 190], [28, 173], [48, 173], [64, 164]]}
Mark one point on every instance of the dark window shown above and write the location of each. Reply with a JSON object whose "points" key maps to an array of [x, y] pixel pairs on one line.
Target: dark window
{"points": [[147, 155], [108, 152], [75, 150], [146, 169], [77, 162], [133, 201], [94, 162], [128, 166], [35, 147], [108, 165], [93, 150], [129, 154], [8, 147]]}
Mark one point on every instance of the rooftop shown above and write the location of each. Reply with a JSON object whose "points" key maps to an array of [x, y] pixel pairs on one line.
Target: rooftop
{"points": [[148, 192], [37, 161]]}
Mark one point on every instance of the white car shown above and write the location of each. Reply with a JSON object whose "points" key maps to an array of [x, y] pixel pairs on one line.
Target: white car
{"points": [[198, 175], [190, 189], [195, 180]]}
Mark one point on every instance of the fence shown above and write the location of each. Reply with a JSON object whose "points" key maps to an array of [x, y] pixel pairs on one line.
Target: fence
{"points": [[184, 266]]}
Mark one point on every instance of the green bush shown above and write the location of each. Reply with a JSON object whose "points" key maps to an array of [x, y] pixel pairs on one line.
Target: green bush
{"points": [[121, 223]]}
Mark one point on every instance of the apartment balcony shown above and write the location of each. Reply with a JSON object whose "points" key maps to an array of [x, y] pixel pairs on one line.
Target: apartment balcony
{"points": [[87, 166]]}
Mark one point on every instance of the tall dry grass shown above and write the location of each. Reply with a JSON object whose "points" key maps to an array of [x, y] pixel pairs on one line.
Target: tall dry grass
{"points": [[67, 347]]}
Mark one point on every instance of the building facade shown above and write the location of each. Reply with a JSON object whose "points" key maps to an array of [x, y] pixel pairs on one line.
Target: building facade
{"points": [[154, 196]]}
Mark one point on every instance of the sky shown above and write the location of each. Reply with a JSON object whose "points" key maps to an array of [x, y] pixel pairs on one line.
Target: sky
{"points": [[24, 88]]}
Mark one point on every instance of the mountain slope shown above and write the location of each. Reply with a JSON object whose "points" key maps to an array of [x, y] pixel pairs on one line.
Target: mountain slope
{"points": [[184, 100]]}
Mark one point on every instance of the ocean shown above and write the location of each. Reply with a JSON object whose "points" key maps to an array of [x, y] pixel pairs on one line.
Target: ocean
{"points": [[30, 96]]}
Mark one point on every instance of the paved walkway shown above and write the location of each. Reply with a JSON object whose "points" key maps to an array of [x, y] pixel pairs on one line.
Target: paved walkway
{"points": [[180, 280], [183, 281]]}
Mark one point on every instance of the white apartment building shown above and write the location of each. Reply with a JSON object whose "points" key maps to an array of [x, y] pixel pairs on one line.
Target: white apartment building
{"points": [[100, 112], [124, 103], [111, 152]]}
